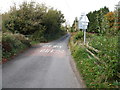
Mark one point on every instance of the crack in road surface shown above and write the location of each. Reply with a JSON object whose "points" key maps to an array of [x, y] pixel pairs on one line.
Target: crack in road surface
{"points": [[42, 66]]}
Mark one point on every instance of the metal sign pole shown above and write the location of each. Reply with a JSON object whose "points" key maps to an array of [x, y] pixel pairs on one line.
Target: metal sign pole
{"points": [[84, 36]]}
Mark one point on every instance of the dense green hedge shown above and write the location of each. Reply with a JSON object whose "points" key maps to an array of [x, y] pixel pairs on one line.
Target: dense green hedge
{"points": [[12, 44]]}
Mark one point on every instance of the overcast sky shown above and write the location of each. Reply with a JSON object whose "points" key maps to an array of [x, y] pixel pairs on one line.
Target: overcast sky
{"points": [[70, 8]]}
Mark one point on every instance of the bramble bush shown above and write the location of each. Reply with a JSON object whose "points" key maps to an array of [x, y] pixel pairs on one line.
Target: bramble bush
{"points": [[23, 39], [109, 55], [12, 44]]}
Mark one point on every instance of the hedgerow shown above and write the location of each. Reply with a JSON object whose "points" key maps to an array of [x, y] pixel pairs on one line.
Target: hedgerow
{"points": [[12, 44], [103, 74]]}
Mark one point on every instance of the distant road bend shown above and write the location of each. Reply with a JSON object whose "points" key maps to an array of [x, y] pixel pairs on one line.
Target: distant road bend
{"points": [[45, 65]]}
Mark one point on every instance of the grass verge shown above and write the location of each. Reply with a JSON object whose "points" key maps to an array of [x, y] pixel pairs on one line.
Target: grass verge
{"points": [[95, 74]]}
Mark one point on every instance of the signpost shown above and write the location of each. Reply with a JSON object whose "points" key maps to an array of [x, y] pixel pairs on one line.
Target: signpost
{"points": [[83, 23]]}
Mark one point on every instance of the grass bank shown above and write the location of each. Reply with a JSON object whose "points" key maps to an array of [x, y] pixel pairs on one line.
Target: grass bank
{"points": [[100, 72]]}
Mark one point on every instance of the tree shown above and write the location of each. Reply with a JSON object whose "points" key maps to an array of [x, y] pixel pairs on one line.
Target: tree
{"points": [[95, 19], [105, 25], [52, 21], [108, 22], [111, 18], [35, 20], [75, 24], [27, 19], [116, 26]]}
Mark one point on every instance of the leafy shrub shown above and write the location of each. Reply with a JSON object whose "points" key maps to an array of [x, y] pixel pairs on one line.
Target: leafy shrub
{"points": [[12, 44], [109, 54], [79, 35], [23, 39]]}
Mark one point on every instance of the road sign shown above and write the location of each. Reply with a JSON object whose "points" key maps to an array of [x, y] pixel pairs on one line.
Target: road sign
{"points": [[83, 23]]}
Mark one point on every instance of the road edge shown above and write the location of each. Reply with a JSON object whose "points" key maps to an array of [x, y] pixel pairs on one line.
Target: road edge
{"points": [[75, 70]]}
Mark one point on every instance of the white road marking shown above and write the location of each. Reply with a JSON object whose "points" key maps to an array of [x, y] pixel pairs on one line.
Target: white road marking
{"points": [[49, 45], [53, 46], [60, 46], [47, 50], [51, 51], [42, 50], [57, 46]]}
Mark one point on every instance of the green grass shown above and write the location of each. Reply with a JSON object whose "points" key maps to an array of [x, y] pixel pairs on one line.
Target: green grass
{"points": [[98, 75], [34, 42]]}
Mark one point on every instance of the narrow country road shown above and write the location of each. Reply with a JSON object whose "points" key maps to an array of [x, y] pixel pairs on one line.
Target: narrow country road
{"points": [[42, 66]]}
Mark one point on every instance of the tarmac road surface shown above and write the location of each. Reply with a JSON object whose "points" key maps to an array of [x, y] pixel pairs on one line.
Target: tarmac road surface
{"points": [[45, 65]]}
